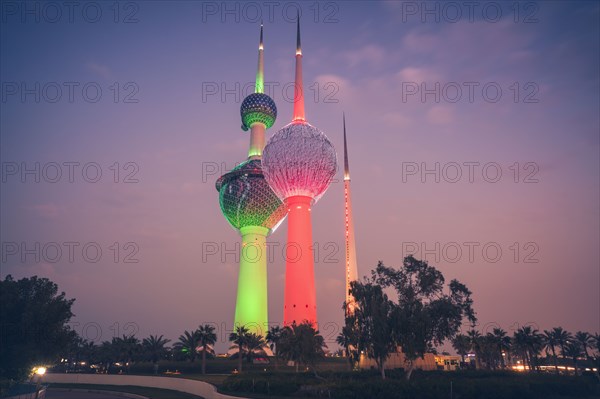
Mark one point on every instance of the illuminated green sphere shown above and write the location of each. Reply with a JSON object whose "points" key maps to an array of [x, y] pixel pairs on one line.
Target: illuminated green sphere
{"points": [[246, 198], [258, 107]]}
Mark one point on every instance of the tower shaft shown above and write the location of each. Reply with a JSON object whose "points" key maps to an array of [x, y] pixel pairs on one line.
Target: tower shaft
{"points": [[251, 308], [252, 208], [351, 266], [300, 301], [257, 140]]}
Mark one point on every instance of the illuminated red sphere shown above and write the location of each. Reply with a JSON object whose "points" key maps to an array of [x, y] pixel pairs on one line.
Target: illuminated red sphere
{"points": [[299, 160]]}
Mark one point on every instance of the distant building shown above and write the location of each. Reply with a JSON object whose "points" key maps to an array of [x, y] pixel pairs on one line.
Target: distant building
{"points": [[448, 362]]}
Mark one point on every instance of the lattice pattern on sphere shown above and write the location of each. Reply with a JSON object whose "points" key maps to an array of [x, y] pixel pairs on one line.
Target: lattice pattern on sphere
{"points": [[246, 198], [258, 107], [299, 160]]}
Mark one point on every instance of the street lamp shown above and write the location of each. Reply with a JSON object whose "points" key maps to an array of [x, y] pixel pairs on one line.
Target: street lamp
{"points": [[39, 371]]}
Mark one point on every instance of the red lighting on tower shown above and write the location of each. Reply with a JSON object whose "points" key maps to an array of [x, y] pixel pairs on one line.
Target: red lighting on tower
{"points": [[299, 162]]}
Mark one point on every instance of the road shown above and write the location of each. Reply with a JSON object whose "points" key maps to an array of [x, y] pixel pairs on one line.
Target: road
{"points": [[60, 394]]}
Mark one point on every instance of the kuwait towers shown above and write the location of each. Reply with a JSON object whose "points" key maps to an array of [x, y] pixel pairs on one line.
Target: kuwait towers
{"points": [[252, 208], [299, 163], [351, 268]]}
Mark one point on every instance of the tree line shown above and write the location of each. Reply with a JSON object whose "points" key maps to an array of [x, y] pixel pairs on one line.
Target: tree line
{"points": [[496, 350], [301, 344], [422, 311], [411, 308]]}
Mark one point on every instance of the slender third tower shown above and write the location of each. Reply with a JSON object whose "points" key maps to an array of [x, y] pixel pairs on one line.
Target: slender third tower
{"points": [[299, 163], [252, 208], [351, 268]]}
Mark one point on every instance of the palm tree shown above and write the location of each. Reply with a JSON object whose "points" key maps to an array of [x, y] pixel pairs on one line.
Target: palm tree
{"points": [[585, 340], [301, 343], [519, 345], [475, 340], [348, 339], [188, 344], [551, 343], [273, 338], [254, 343], [239, 337], [461, 344], [503, 344], [528, 343], [536, 345], [562, 338], [573, 350], [488, 350], [128, 348], [290, 346], [596, 347], [107, 354], [154, 349], [82, 350], [206, 339]]}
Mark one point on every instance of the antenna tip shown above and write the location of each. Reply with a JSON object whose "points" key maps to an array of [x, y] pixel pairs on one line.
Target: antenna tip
{"points": [[298, 45]]}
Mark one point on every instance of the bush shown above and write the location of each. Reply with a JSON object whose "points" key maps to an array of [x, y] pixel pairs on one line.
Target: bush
{"points": [[423, 385], [267, 383]]}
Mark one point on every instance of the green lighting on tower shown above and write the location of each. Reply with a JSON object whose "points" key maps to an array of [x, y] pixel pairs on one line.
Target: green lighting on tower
{"points": [[259, 86], [252, 208]]}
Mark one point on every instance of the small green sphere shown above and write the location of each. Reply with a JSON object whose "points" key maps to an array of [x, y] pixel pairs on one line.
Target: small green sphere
{"points": [[258, 107]]}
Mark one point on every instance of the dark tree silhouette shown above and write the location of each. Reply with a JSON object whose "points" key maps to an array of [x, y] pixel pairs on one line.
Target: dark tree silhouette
{"points": [[425, 314], [373, 319], [562, 338], [188, 344], [273, 338], [461, 344], [154, 348], [551, 343], [206, 339], [573, 350], [239, 337], [302, 344], [349, 340], [33, 322], [585, 341]]}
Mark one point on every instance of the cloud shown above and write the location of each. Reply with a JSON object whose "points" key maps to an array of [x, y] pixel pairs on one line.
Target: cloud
{"points": [[334, 87], [420, 42], [101, 70], [440, 115], [370, 54], [417, 75], [502, 48], [397, 120], [46, 211]]}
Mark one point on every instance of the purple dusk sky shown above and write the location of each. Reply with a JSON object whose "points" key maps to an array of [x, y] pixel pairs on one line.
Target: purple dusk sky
{"points": [[473, 138]]}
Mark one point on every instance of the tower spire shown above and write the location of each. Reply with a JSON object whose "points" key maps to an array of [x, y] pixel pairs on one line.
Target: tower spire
{"points": [[298, 45], [258, 110], [260, 73], [346, 164], [299, 116], [351, 266]]}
